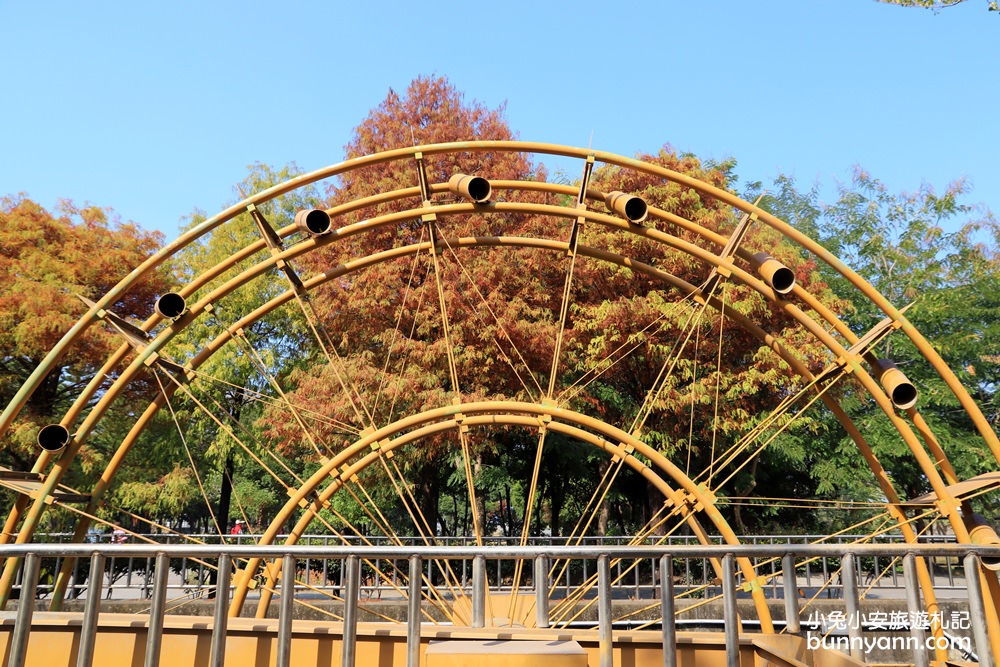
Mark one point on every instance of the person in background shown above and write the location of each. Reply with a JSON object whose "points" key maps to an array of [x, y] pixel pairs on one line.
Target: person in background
{"points": [[237, 528]]}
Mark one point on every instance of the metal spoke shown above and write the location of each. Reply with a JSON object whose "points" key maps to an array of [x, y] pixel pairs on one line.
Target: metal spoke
{"points": [[258, 362], [447, 573], [496, 319], [229, 431], [312, 317], [252, 395], [529, 504], [405, 362], [187, 450], [274, 568], [431, 221], [399, 320], [574, 242], [602, 366], [655, 523], [748, 439], [688, 328]]}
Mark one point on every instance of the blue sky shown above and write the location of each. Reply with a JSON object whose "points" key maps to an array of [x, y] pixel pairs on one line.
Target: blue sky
{"points": [[155, 109]]}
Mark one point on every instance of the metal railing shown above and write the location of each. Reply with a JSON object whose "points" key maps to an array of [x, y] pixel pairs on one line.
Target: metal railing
{"points": [[877, 574], [416, 557]]}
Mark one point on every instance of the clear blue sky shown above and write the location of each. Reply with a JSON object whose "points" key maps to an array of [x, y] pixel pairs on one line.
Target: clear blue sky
{"points": [[155, 108]]}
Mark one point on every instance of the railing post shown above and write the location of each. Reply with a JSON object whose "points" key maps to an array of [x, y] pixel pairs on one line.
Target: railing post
{"points": [[351, 611], [479, 591], [913, 606], [88, 633], [221, 617], [790, 582], [25, 609], [285, 611], [541, 592], [731, 612], [667, 611], [977, 611], [849, 572], [154, 636], [413, 615], [604, 611]]}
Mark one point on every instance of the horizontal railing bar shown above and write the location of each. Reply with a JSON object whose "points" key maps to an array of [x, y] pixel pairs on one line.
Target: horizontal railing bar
{"points": [[495, 552], [746, 539]]}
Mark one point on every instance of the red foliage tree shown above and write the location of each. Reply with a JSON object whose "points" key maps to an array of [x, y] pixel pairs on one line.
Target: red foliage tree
{"points": [[47, 260], [503, 304]]}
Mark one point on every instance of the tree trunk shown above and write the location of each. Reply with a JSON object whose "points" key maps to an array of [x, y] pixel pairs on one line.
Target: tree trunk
{"points": [[512, 529], [428, 493], [745, 492], [603, 517], [556, 500], [480, 509], [466, 516], [620, 518], [226, 494], [654, 501], [454, 514]]}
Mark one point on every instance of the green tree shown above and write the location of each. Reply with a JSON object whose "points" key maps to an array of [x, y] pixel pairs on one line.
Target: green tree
{"points": [[938, 253], [234, 380]]}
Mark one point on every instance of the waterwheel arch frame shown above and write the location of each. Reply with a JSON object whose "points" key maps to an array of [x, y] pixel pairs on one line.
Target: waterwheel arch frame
{"points": [[937, 469]]}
